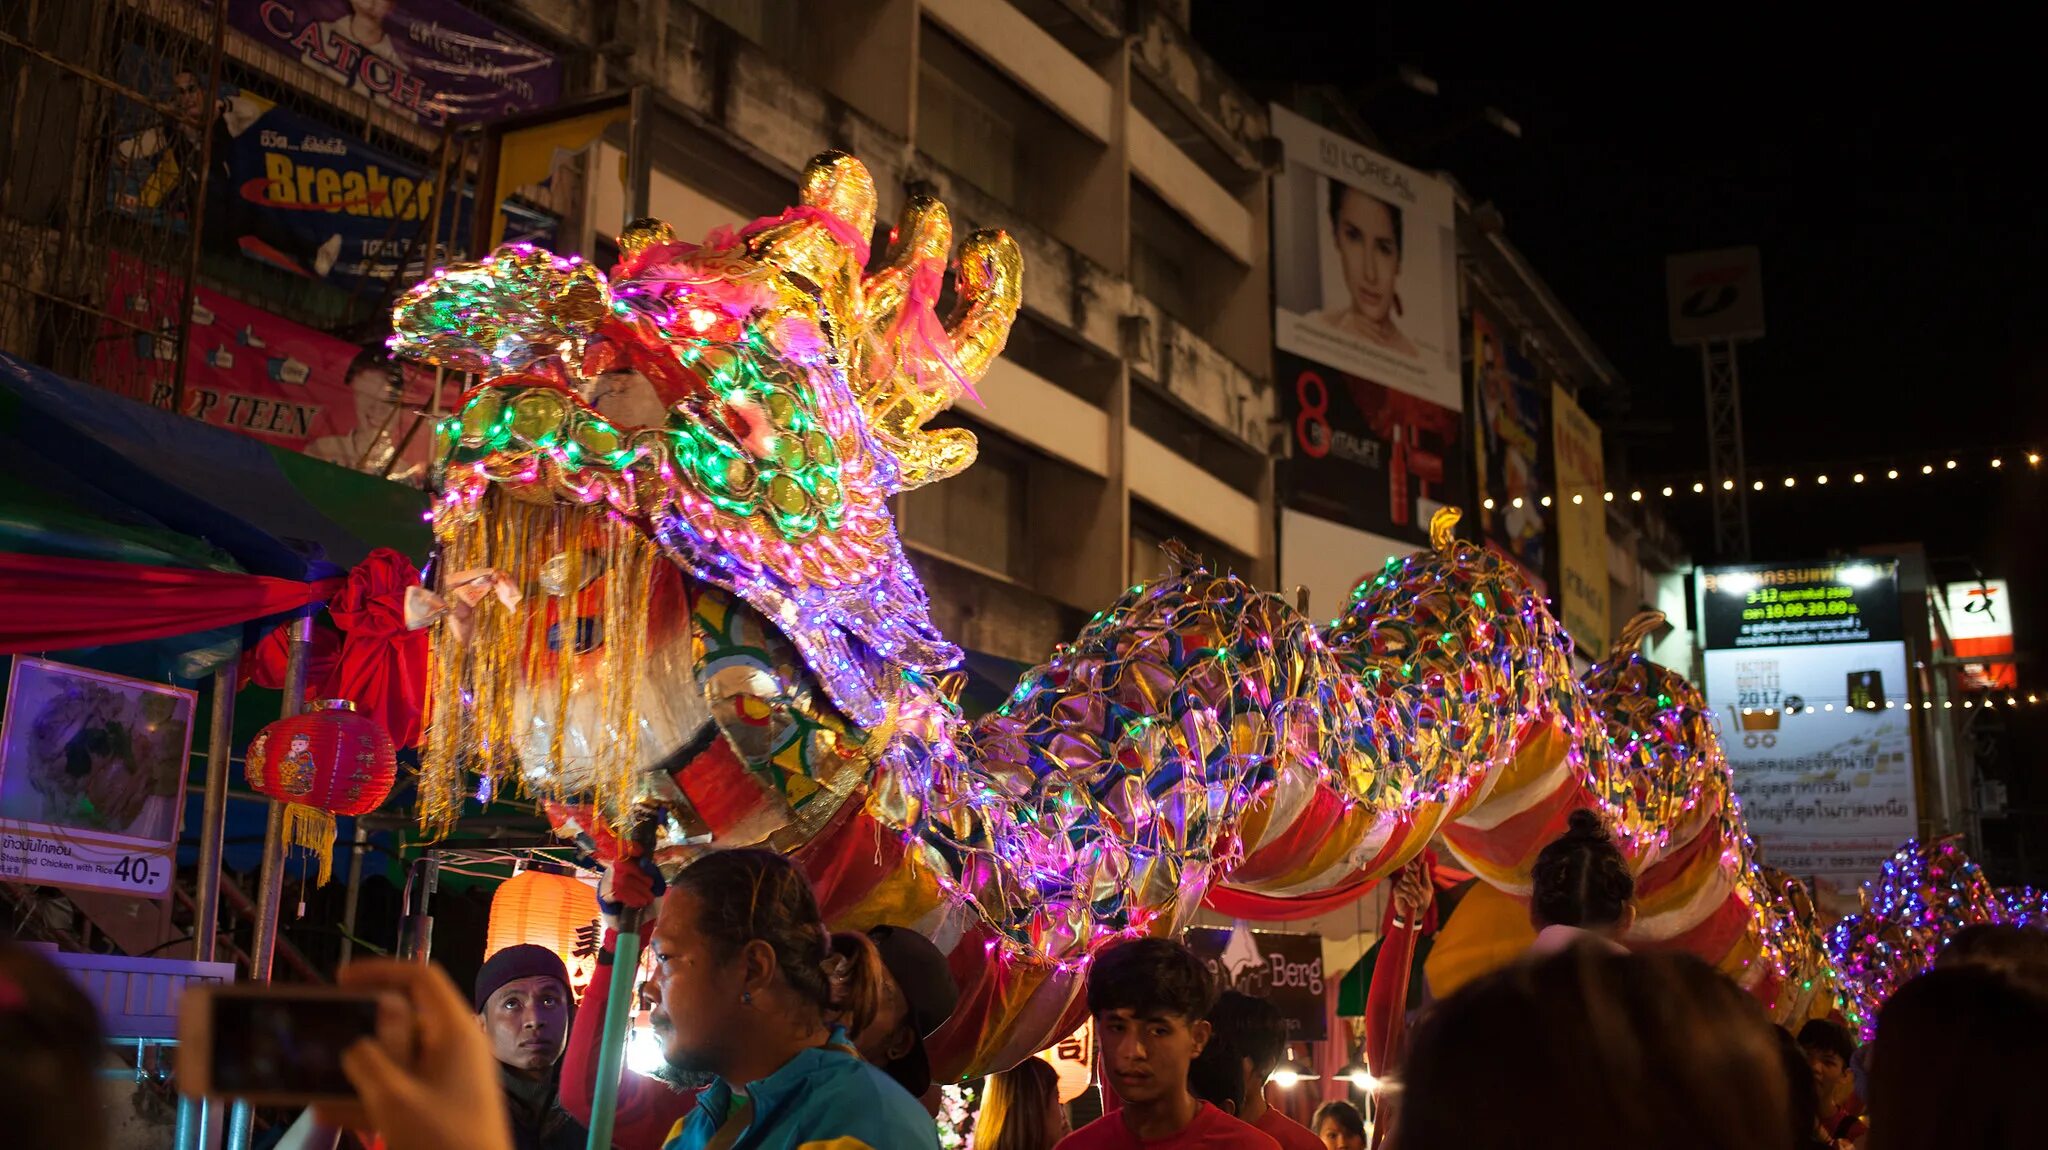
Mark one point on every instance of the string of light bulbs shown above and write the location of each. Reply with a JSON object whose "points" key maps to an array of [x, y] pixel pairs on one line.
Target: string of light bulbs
{"points": [[1849, 475], [1987, 702]]}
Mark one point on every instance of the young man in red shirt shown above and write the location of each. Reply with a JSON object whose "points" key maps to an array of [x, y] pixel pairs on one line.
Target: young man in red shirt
{"points": [[1247, 1039], [1150, 998]]}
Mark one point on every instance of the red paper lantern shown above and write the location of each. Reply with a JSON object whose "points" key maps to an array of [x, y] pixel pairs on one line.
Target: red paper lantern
{"points": [[326, 761], [556, 911]]}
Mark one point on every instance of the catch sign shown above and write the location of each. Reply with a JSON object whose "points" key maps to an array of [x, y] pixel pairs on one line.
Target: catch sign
{"points": [[1284, 969]]}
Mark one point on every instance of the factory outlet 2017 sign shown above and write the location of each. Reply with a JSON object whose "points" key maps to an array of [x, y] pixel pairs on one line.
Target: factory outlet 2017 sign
{"points": [[1284, 969], [1806, 671]]}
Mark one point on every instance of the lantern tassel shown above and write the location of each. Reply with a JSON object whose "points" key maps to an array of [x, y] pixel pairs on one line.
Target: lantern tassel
{"points": [[311, 829]]}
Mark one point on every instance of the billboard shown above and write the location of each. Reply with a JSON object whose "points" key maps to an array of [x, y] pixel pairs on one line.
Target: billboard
{"points": [[1378, 459], [1364, 264], [92, 778], [433, 60], [1978, 619], [1715, 295], [268, 377], [1806, 672], [1284, 969], [282, 188], [1329, 559], [1511, 414], [1581, 581]]}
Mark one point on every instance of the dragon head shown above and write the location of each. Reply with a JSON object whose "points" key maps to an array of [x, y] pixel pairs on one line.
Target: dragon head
{"points": [[794, 388]]}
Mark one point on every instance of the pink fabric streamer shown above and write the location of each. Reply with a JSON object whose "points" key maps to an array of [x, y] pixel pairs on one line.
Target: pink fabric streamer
{"points": [[920, 317], [842, 231]]}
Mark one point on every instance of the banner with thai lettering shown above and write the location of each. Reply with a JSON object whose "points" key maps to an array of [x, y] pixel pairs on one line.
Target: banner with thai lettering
{"points": [[433, 60], [1806, 673], [1284, 969], [281, 187], [1511, 414], [1581, 582], [268, 377], [1366, 455], [92, 778]]}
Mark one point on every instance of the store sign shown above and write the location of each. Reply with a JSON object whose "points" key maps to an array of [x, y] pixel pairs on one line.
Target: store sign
{"points": [[1581, 525], [92, 778], [282, 188], [1806, 672], [1715, 295], [1284, 969], [259, 374], [1978, 619], [1368, 456], [433, 60], [1511, 441], [1364, 260]]}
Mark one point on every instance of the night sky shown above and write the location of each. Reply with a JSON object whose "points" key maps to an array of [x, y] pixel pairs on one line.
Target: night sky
{"points": [[1886, 170]]}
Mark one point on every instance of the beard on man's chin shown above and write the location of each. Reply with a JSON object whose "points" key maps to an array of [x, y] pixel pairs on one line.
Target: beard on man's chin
{"points": [[683, 1078]]}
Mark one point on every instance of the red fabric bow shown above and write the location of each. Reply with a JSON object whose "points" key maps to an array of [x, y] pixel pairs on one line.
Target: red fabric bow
{"points": [[372, 661]]}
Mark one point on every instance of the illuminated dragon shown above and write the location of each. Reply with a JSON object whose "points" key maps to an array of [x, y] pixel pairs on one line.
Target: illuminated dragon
{"points": [[709, 616]]}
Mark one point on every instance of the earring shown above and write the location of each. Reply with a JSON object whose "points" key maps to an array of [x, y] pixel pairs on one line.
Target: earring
{"points": [[746, 998]]}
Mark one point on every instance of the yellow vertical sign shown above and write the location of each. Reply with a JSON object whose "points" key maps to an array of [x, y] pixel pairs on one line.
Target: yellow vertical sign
{"points": [[1581, 525]]}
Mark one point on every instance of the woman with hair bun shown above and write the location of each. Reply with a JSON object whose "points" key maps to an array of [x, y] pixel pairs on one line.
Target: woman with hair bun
{"points": [[1582, 889]]}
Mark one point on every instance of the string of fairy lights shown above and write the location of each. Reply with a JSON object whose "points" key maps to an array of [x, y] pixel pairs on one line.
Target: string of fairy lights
{"points": [[1849, 476], [1986, 703]]}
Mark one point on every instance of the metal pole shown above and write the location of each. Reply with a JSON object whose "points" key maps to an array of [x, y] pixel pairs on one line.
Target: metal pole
{"points": [[270, 883], [618, 1015], [191, 1128], [355, 890], [1942, 726], [416, 921], [241, 1125], [195, 212], [639, 155], [213, 820]]}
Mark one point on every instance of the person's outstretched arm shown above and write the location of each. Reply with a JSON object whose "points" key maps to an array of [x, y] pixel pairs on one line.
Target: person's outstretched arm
{"points": [[648, 1109]]}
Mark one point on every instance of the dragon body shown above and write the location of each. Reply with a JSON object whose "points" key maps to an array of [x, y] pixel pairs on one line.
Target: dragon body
{"points": [[718, 631]]}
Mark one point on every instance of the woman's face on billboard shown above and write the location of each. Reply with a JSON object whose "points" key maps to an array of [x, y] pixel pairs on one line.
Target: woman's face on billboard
{"points": [[1371, 251]]}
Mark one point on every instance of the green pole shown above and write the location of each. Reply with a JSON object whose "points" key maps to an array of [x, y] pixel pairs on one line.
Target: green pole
{"points": [[618, 1010]]}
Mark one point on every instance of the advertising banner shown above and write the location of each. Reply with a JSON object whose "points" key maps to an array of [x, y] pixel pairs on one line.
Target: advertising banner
{"points": [[1978, 619], [433, 60], [1512, 414], [283, 188], [1581, 524], [1378, 459], [92, 778], [265, 376], [1284, 969], [1329, 559], [1365, 264], [1806, 672]]}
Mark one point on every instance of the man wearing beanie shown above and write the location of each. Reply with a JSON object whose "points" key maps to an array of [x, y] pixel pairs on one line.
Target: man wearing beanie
{"points": [[523, 1001]]}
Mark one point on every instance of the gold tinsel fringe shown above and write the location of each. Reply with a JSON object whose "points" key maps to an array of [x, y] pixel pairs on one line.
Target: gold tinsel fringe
{"points": [[311, 829], [485, 692]]}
